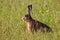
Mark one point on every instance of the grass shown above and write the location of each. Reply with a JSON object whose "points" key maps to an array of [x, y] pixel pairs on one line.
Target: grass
{"points": [[13, 28]]}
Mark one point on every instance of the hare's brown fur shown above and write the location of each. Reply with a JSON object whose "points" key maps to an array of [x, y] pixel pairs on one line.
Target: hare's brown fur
{"points": [[33, 25]]}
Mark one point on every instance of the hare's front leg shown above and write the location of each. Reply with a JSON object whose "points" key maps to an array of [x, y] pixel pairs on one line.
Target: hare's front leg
{"points": [[29, 27]]}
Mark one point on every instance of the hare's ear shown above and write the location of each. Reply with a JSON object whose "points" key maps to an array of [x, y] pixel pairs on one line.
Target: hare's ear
{"points": [[29, 8]]}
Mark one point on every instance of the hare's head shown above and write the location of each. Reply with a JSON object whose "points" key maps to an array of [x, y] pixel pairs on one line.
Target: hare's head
{"points": [[27, 17]]}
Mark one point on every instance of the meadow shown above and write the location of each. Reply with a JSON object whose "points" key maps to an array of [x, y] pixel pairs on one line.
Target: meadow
{"points": [[13, 28]]}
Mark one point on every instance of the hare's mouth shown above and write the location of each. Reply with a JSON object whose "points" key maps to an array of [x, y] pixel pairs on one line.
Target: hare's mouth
{"points": [[23, 19], [26, 20]]}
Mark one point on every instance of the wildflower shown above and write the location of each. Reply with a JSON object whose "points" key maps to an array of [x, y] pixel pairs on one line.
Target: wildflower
{"points": [[40, 11], [47, 10]]}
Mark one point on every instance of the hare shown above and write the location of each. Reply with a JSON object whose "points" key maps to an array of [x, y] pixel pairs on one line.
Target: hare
{"points": [[34, 25]]}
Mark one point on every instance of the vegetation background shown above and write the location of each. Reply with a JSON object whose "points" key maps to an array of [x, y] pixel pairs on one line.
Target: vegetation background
{"points": [[13, 28]]}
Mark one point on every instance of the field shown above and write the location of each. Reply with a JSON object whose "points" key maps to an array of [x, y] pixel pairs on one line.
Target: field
{"points": [[13, 28]]}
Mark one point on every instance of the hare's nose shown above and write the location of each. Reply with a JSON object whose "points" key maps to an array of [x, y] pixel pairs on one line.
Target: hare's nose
{"points": [[22, 18]]}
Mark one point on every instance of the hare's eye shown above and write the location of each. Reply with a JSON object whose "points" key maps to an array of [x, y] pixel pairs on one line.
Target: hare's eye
{"points": [[26, 15]]}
